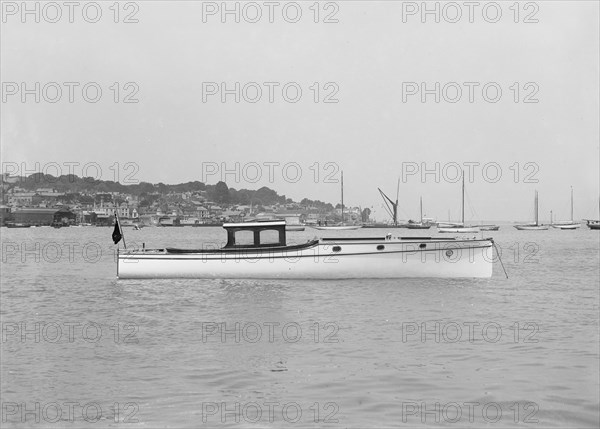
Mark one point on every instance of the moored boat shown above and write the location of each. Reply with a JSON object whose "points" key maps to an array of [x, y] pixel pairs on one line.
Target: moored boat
{"points": [[460, 228], [569, 225], [422, 224], [258, 250], [342, 226], [566, 226], [536, 226], [594, 223], [392, 208], [417, 225], [338, 227], [377, 225], [531, 227], [489, 227]]}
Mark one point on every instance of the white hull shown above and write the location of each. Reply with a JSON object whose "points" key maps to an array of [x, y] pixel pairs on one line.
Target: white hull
{"points": [[447, 225], [325, 259], [531, 227], [459, 230], [567, 226], [338, 227]]}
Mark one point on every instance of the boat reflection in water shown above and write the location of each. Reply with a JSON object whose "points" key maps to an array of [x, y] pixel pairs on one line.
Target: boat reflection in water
{"points": [[258, 250]]}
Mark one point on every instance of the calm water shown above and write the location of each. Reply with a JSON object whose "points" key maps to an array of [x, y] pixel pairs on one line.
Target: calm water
{"points": [[220, 353]]}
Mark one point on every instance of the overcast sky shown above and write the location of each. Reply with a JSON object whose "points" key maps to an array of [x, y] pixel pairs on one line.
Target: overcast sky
{"points": [[372, 61]]}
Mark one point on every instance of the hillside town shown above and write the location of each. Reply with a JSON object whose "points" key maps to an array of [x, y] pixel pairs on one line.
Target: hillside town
{"points": [[61, 202]]}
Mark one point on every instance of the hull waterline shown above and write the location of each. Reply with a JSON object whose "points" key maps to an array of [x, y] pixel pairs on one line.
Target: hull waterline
{"points": [[531, 227], [464, 230], [417, 226], [567, 226]]}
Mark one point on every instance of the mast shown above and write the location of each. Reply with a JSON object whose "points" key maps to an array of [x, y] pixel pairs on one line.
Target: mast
{"points": [[462, 212], [396, 204], [390, 206], [342, 197], [535, 210], [421, 201], [571, 204]]}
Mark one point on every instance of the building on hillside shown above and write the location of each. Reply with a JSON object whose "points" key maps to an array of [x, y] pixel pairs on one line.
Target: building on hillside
{"points": [[89, 217], [23, 199], [215, 211], [47, 197], [202, 213], [42, 217], [232, 215], [292, 218], [5, 214], [124, 211]]}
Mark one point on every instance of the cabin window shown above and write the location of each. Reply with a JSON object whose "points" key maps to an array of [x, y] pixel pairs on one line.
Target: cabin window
{"points": [[380, 247], [422, 246], [244, 238], [336, 248], [269, 236]]}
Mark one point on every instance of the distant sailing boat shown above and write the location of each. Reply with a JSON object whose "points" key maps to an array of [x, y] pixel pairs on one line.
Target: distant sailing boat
{"points": [[571, 224], [420, 224], [460, 228], [534, 226], [391, 207], [340, 226], [594, 224]]}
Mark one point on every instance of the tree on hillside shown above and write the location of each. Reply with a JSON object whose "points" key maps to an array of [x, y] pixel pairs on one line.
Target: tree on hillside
{"points": [[221, 193]]}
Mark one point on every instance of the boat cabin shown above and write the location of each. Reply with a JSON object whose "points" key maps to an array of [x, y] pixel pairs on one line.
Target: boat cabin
{"points": [[255, 234]]}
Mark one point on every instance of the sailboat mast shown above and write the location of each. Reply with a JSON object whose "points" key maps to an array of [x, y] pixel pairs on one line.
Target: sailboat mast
{"points": [[536, 208], [421, 205], [396, 204], [342, 196], [462, 212], [571, 204]]}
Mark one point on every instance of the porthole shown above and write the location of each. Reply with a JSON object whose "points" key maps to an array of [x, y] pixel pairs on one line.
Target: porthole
{"points": [[336, 248], [449, 253], [380, 247], [422, 246]]}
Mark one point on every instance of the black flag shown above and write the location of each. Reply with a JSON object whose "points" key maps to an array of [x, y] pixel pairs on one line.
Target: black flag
{"points": [[116, 235]]}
